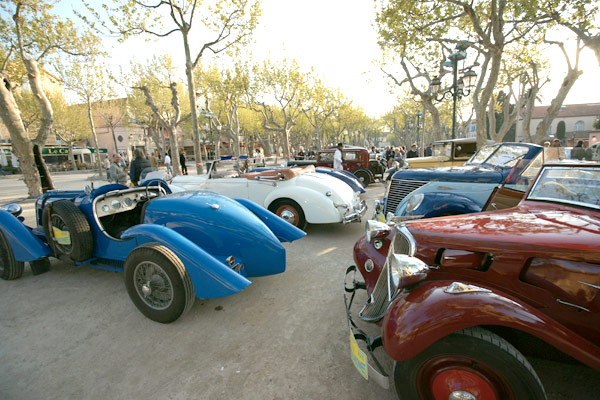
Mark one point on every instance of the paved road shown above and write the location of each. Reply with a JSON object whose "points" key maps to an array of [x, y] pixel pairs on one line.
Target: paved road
{"points": [[74, 333]]}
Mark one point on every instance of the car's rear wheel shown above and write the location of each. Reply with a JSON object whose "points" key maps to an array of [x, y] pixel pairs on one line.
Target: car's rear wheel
{"points": [[364, 176], [67, 230], [469, 364], [9, 267], [289, 211], [158, 283]]}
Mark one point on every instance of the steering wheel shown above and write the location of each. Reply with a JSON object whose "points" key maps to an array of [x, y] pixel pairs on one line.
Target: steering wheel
{"points": [[161, 189]]}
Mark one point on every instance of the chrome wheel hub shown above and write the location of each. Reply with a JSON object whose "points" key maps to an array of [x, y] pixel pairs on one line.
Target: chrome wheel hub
{"points": [[288, 216], [461, 395]]}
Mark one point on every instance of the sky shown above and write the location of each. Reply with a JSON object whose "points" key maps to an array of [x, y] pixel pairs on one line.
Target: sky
{"points": [[338, 40]]}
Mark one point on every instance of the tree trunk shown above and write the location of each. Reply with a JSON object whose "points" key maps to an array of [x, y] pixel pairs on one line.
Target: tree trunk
{"points": [[21, 145], [189, 69], [95, 137], [552, 112], [112, 131], [71, 156]]}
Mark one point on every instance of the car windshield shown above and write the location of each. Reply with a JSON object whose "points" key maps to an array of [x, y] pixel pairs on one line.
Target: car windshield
{"points": [[442, 149], [578, 185], [499, 155], [228, 168]]}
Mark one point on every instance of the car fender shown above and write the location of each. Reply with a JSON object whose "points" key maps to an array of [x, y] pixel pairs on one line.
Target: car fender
{"points": [[317, 208], [283, 230], [435, 204], [210, 277], [25, 245], [417, 319]]}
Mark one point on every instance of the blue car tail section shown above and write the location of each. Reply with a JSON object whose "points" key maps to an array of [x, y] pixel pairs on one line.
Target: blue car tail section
{"points": [[25, 245], [222, 227], [210, 277], [283, 230]]}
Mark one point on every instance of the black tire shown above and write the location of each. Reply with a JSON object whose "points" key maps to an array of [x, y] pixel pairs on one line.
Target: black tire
{"points": [[158, 283], [486, 366], [67, 217], [9, 267], [364, 175], [289, 211]]}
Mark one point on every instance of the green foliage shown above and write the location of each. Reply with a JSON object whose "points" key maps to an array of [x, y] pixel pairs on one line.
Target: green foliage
{"points": [[561, 130]]}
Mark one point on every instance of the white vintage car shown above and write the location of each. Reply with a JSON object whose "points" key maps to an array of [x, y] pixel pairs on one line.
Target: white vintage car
{"points": [[298, 195]]}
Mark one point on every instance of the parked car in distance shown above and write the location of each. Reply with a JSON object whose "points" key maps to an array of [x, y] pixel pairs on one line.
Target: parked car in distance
{"points": [[433, 192], [462, 300], [357, 160], [345, 176], [446, 153], [298, 195], [171, 248]]}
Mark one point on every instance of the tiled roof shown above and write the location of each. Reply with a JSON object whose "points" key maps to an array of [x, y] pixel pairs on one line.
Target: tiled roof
{"points": [[569, 110]]}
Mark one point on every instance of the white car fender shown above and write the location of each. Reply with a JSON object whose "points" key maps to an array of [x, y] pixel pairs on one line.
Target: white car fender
{"points": [[317, 207]]}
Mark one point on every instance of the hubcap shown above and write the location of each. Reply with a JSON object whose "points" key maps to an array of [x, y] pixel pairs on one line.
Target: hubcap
{"points": [[153, 285], [288, 216], [460, 395]]}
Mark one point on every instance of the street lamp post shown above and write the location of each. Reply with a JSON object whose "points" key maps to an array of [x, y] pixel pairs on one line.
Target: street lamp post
{"points": [[461, 87]]}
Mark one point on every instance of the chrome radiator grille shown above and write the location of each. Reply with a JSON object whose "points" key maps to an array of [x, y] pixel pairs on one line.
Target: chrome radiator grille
{"points": [[399, 189], [384, 289]]}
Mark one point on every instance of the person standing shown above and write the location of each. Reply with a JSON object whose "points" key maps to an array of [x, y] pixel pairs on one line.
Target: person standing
{"points": [[182, 163], [139, 163], [337, 157], [429, 150], [413, 152], [556, 143], [168, 164], [580, 153], [115, 172], [106, 164]]}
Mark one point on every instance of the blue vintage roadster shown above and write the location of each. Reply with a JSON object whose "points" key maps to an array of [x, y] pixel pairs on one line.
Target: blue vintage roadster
{"points": [[171, 247]]}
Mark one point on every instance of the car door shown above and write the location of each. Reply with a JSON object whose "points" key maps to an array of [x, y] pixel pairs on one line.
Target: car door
{"points": [[230, 187]]}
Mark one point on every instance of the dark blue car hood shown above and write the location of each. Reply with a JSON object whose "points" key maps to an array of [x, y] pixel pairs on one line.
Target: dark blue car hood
{"points": [[465, 173]]}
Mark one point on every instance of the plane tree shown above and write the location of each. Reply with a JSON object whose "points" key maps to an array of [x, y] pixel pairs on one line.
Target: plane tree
{"points": [[222, 25], [33, 38]]}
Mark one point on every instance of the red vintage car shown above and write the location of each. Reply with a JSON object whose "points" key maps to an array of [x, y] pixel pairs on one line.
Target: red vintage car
{"points": [[461, 300]]}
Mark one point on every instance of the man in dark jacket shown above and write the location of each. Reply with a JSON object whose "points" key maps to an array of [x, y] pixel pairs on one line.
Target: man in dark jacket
{"points": [[137, 166], [413, 152]]}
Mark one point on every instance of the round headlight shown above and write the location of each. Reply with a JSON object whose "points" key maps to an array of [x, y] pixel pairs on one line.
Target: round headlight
{"points": [[414, 202], [406, 270], [12, 208]]}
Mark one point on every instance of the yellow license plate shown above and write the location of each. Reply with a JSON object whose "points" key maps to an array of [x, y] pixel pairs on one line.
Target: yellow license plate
{"points": [[359, 358], [61, 237]]}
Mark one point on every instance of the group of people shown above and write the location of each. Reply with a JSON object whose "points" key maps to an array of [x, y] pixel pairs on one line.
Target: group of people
{"points": [[115, 167], [304, 155]]}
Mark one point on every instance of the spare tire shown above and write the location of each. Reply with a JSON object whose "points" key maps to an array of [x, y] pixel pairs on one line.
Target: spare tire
{"points": [[67, 230]]}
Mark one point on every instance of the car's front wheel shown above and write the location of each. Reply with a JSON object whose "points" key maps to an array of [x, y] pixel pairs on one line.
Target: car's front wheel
{"points": [[289, 211], [9, 267], [472, 363], [158, 283]]}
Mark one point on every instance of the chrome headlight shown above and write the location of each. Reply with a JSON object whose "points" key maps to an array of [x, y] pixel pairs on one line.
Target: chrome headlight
{"points": [[12, 208], [376, 229], [414, 202], [406, 270]]}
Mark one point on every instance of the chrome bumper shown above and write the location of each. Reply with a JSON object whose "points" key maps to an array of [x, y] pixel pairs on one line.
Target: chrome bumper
{"points": [[356, 215], [370, 371]]}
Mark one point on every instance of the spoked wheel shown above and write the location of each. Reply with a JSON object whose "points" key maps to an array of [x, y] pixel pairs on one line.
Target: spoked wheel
{"points": [[68, 231], [471, 364], [9, 267], [289, 211], [158, 283]]}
